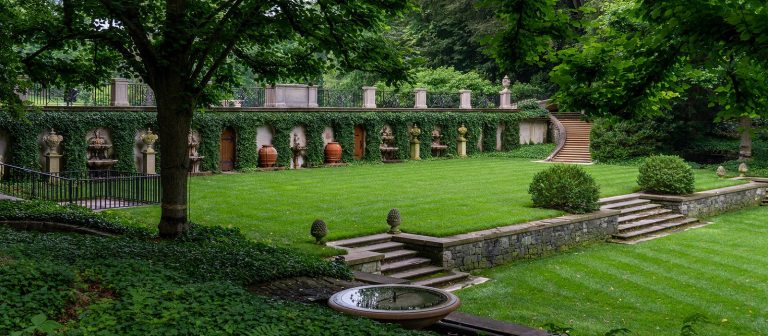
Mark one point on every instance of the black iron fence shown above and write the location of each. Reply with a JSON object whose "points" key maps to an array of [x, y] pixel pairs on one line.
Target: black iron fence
{"points": [[339, 98], [76, 96], [97, 189], [140, 94], [484, 100], [395, 99], [443, 99], [248, 97]]}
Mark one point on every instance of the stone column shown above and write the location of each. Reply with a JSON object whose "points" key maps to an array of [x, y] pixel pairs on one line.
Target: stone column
{"points": [[461, 142], [369, 97], [119, 92], [505, 96], [148, 153], [269, 96], [465, 99], [414, 133], [52, 156], [421, 98], [312, 96]]}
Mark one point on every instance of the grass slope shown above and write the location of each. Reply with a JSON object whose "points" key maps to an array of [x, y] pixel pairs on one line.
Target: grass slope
{"points": [[719, 270], [436, 197]]}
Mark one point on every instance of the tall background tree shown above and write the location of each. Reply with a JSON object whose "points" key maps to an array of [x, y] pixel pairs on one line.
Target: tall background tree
{"points": [[186, 51]]}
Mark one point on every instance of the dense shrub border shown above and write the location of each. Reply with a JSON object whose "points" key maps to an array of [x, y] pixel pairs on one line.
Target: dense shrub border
{"points": [[24, 144], [135, 285]]}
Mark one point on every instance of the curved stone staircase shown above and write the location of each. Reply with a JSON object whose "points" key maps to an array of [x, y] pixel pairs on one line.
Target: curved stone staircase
{"points": [[575, 147]]}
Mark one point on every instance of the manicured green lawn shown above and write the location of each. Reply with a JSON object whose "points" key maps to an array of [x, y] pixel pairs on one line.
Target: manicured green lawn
{"points": [[720, 271], [438, 197]]}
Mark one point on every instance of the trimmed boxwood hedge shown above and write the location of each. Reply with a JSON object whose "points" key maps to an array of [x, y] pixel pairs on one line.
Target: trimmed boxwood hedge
{"points": [[565, 187], [24, 145], [666, 174]]}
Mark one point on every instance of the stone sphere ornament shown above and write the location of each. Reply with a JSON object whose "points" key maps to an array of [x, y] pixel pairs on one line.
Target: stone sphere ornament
{"points": [[743, 169], [721, 172], [393, 219], [319, 230]]}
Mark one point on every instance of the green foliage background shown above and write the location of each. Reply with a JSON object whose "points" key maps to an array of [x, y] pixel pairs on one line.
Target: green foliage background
{"points": [[24, 142]]}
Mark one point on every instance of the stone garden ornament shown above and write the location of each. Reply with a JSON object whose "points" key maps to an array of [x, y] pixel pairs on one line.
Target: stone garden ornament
{"points": [[393, 219], [52, 141]]}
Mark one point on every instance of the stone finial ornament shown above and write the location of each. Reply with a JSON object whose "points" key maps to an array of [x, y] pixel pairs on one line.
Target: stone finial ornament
{"points": [[319, 230], [505, 82], [721, 172], [743, 169], [415, 131], [52, 141], [462, 132], [149, 139], [393, 219]]}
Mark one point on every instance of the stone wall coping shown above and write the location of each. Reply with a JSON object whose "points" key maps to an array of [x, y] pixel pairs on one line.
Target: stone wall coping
{"points": [[153, 109], [357, 257], [703, 194], [467, 238]]}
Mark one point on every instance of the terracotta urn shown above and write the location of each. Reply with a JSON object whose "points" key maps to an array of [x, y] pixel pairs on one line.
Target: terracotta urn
{"points": [[267, 156], [332, 152]]}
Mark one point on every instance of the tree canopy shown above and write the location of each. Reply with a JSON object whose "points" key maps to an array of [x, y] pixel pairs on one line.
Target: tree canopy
{"points": [[187, 50]]}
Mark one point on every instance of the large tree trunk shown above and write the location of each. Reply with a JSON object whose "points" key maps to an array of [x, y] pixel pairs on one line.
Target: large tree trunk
{"points": [[174, 118], [745, 148]]}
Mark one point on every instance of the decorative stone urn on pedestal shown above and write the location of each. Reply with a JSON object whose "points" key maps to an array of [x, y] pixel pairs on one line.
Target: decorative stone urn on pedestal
{"points": [[194, 158], [148, 153], [461, 142], [52, 156], [414, 132]]}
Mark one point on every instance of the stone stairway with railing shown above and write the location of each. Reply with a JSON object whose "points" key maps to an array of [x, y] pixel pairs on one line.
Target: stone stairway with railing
{"points": [[576, 146], [402, 263], [640, 219]]}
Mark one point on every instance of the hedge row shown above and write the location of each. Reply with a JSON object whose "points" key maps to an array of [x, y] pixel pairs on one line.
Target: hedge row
{"points": [[24, 144]]}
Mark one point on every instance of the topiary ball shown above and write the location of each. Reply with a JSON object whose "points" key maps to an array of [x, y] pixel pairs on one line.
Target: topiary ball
{"points": [[565, 187], [319, 230], [666, 174]]}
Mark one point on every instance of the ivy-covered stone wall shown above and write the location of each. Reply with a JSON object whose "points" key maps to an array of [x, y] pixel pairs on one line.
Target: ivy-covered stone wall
{"points": [[23, 143]]}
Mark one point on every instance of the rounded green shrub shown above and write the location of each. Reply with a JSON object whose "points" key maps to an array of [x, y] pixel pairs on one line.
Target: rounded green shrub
{"points": [[565, 187], [666, 174]]}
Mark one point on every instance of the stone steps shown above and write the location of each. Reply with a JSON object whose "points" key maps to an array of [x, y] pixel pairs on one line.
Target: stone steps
{"points": [[576, 147], [401, 265], [641, 220]]}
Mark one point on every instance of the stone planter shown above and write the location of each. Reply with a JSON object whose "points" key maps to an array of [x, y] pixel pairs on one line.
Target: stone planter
{"points": [[267, 156], [332, 152]]}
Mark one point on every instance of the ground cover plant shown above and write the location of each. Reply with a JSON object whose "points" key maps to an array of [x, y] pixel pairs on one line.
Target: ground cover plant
{"points": [[717, 271], [435, 197], [77, 284]]}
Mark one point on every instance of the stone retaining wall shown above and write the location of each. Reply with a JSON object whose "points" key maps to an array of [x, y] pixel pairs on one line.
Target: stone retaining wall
{"points": [[713, 202], [528, 240]]}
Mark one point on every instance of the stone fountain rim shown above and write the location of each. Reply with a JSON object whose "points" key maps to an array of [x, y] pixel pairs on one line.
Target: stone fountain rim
{"points": [[452, 303]]}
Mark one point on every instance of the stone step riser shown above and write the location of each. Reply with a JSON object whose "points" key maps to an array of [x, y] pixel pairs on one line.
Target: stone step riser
{"points": [[417, 272], [443, 281], [630, 203], [646, 223], [674, 226], [643, 215], [399, 255], [403, 265]]}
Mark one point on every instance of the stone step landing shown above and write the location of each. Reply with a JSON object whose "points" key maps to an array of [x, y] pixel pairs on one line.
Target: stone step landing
{"points": [[398, 264], [641, 220]]}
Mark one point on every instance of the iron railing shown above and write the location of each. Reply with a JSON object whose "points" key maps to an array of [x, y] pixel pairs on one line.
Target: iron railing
{"points": [[339, 98], [250, 96], [96, 189], [485, 101], [140, 94], [395, 99], [76, 96], [443, 100]]}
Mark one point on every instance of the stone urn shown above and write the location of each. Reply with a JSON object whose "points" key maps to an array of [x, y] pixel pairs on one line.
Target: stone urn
{"points": [[743, 169], [462, 132], [721, 172], [52, 141], [149, 140], [267, 156], [332, 152]]}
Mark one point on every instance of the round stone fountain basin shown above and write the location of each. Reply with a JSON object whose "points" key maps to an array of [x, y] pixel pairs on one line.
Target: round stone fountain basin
{"points": [[413, 307]]}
